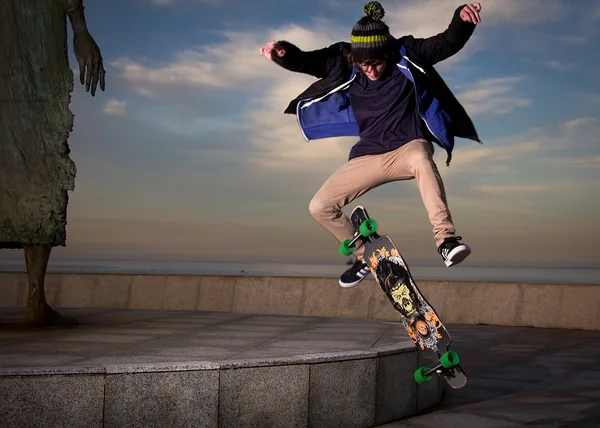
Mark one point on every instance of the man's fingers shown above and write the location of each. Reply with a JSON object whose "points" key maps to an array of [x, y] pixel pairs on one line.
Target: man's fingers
{"points": [[467, 15], [267, 48], [472, 14], [476, 7], [476, 12], [272, 48], [266, 51]]}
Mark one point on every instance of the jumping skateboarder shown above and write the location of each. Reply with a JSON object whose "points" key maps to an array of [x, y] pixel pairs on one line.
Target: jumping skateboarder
{"points": [[386, 91]]}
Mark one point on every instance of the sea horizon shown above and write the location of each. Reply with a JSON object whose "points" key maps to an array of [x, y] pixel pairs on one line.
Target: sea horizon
{"points": [[561, 275]]}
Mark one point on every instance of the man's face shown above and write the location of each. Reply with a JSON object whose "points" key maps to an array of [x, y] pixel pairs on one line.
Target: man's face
{"points": [[373, 68]]}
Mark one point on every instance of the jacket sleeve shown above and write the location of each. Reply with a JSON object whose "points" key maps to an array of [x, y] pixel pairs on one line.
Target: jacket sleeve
{"points": [[443, 45], [318, 63]]}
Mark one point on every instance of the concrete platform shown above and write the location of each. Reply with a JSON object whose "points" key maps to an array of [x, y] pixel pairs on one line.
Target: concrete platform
{"points": [[520, 377], [144, 368]]}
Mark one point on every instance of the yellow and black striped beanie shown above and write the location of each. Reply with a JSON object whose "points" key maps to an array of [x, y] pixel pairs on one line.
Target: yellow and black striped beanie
{"points": [[371, 37]]}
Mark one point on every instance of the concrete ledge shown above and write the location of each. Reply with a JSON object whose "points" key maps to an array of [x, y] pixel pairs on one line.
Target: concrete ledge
{"points": [[569, 306], [209, 369]]}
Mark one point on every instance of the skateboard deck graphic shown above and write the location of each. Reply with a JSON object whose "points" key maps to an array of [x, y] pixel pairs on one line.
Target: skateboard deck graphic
{"points": [[419, 318]]}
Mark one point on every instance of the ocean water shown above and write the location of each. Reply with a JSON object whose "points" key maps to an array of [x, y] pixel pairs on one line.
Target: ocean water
{"points": [[441, 273]]}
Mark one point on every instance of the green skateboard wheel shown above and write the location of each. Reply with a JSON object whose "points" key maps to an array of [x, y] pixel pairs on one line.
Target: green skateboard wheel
{"points": [[368, 228], [449, 359], [345, 249], [420, 376]]}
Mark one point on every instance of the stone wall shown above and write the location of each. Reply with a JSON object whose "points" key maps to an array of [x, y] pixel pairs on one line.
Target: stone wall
{"points": [[494, 303]]}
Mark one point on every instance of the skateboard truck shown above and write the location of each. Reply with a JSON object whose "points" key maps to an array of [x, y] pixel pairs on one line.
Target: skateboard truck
{"points": [[448, 361], [367, 228]]}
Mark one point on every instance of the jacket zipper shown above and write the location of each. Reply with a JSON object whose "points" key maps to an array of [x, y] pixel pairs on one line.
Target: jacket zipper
{"points": [[417, 101], [298, 120]]}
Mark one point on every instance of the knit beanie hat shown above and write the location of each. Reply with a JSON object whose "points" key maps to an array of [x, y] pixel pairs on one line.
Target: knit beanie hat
{"points": [[371, 37]]}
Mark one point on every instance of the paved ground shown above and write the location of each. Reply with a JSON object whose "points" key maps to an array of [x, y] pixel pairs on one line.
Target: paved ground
{"points": [[521, 377], [518, 377], [129, 338]]}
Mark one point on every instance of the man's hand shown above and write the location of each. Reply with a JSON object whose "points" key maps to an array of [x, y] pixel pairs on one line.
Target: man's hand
{"points": [[470, 13], [272, 48]]}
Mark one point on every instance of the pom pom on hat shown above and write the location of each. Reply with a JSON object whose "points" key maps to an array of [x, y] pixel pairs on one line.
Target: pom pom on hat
{"points": [[374, 10]]}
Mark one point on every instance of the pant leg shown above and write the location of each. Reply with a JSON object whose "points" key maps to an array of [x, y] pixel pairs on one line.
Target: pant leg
{"points": [[415, 160], [350, 181]]}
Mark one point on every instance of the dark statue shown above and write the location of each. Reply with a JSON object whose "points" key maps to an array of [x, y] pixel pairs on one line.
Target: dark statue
{"points": [[35, 121]]}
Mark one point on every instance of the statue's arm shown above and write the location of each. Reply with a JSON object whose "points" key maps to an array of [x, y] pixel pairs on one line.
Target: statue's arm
{"points": [[91, 69], [74, 10]]}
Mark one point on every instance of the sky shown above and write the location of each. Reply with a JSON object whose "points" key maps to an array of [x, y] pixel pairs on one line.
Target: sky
{"points": [[187, 155]]}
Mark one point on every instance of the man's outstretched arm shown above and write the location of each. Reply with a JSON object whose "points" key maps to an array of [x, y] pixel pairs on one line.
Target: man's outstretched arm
{"points": [[443, 45], [317, 63]]}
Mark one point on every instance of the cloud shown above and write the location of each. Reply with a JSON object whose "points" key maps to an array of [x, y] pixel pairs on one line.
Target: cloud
{"points": [[410, 16], [574, 40], [234, 63], [595, 14], [525, 188], [583, 162], [425, 18], [493, 96], [528, 189], [522, 13], [540, 148], [560, 66], [116, 108], [333, 4], [582, 121], [263, 90], [588, 97]]}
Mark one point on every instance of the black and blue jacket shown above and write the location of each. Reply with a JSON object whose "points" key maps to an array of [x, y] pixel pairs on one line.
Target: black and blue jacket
{"points": [[323, 110]]}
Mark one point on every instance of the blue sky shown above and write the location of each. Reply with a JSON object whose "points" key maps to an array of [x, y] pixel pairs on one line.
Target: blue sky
{"points": [[187, 154]]}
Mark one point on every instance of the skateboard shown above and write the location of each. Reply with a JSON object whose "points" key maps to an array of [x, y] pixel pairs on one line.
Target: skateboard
{"points": [[419, 318]]}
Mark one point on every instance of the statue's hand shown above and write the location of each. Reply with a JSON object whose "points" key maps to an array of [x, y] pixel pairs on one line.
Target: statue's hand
{"points": [[89, 58]]}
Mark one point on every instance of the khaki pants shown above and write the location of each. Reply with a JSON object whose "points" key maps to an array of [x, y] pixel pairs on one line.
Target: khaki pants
{"points": [[361, 174]]}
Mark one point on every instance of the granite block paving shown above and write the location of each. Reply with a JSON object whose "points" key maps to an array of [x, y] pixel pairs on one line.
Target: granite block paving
{"points": [[174, 368], [257, 397], [180, 363], [346, 404], [167, 399], [394, 400], [51, 401], [519, 376]]}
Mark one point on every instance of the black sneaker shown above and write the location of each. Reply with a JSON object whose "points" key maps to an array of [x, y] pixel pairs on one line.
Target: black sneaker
{"points": [[355, 274], [453, 252]]}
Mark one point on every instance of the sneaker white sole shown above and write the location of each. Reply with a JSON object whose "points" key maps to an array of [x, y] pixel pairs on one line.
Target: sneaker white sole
{"points": [[457, 255], [364, 271], [351, 284]]}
